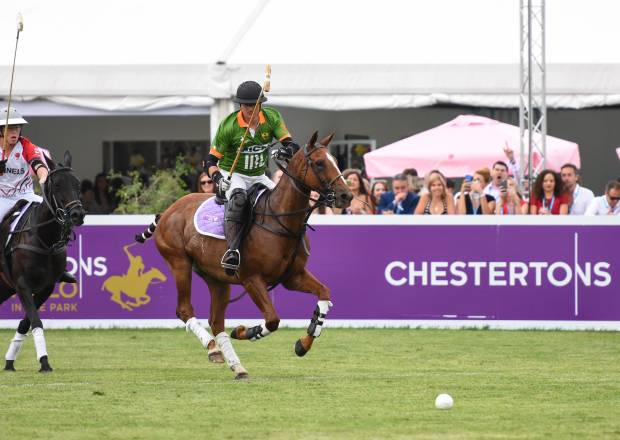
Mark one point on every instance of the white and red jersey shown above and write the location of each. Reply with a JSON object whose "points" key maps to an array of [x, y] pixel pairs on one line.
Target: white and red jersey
{"points": [[16, 180]]}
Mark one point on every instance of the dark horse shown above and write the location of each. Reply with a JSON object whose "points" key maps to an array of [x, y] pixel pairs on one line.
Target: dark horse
{"points": [[272, 253], [35, 257]]}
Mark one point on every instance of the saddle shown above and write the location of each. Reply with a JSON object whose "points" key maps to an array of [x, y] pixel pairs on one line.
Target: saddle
{"points": [[209, 217], [7, 237]]}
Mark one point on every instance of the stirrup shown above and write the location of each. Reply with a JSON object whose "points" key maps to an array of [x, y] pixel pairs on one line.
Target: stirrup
{"points": [[231, 268]]}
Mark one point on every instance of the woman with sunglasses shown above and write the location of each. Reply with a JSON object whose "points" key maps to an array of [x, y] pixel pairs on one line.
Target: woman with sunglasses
{"points": [[204, 184]]}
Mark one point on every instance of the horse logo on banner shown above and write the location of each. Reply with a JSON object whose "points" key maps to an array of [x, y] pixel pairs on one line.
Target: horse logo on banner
{"points": [[134, 284]]}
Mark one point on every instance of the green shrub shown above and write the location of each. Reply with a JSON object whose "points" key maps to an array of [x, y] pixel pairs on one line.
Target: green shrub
{"points": [[164, 188]]}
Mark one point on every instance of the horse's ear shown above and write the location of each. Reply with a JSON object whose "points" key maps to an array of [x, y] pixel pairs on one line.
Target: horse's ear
{"points": [[48, 160], [327, 139], [313, 139], [67, 159]]}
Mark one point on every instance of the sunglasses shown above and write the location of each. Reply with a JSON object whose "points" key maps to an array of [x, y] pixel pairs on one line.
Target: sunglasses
{"points": [[206, 182], [615, 199]]}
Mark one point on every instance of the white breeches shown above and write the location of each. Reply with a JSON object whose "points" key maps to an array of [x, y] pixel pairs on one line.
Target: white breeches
{"points": [[245, 182], [6, 203]]}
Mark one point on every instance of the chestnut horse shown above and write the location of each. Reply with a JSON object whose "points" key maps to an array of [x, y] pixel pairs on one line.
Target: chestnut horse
{"points": [[272, 253]]}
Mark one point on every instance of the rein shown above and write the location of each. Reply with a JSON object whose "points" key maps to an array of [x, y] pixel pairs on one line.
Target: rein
{"points": [[60, 215], [327, 198]]}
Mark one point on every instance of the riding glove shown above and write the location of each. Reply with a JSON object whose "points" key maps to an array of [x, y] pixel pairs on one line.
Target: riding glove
{"points": [[222, 183]]}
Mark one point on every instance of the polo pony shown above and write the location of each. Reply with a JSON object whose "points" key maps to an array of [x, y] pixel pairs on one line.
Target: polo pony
{"points": [[273, 252]]}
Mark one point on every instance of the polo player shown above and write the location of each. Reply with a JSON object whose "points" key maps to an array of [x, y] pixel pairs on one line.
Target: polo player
{"points": [[266, 125]]}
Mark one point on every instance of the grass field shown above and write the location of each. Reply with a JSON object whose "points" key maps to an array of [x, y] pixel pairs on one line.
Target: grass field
{"points": [[354, 384]]}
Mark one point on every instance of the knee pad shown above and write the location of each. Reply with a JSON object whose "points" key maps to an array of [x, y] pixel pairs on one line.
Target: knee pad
{"points": [[235, 208]]}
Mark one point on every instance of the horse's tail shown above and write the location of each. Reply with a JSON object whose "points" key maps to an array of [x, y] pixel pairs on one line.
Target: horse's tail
{"points": [[148, 232]]}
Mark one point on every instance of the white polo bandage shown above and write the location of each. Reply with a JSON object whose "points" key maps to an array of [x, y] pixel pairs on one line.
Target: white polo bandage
{"points": [[201, 333], [15, 346]]}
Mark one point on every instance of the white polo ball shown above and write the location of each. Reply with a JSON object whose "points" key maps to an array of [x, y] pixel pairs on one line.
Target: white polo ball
{"points": [[444, 401]]}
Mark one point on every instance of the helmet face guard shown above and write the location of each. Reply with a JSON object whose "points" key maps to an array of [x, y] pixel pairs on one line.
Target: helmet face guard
{"points": [[248, 93]]}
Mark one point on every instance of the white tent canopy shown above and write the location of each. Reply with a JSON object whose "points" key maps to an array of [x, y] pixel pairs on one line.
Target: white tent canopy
{"points": [[139, 55]]}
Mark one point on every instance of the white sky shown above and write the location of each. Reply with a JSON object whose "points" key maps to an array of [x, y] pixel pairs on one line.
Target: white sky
{"points": [[66, 32]]}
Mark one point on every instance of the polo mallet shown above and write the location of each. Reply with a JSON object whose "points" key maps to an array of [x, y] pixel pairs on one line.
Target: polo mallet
{"points": [[20, 27], [266, 88]]}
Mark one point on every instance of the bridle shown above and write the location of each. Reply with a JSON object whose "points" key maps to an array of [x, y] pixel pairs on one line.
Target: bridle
{"points": [[327, 197], [327, 194], [60, 215]]}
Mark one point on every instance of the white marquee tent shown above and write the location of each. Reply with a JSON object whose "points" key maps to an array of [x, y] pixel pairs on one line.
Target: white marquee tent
{"points": [[146, 55]]}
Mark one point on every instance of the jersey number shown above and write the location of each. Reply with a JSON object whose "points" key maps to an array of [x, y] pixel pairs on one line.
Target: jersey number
{"points": [[254, 161]]}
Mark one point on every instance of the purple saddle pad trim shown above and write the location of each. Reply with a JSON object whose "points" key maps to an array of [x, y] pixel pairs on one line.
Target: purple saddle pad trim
{"points": [[209, 219]]}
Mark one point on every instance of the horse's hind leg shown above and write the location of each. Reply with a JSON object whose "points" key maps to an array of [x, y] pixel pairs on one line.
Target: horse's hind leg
{"points": [[220, 295], [31, 304], [259, 294], [16, 344], [306, 282]]}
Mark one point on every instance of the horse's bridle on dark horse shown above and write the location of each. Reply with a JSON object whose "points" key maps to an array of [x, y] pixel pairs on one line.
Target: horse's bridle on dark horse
{"points": [[63, 215]]}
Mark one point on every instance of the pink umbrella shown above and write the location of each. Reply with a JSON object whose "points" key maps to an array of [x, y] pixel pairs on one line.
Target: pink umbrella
{"points": [[461, 146]]}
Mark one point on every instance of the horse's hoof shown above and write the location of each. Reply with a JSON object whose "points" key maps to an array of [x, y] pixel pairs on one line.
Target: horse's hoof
{"points": [[242, 376], [238, 332], [299, 349], [216, 357], [9, 366], [45, 366]]}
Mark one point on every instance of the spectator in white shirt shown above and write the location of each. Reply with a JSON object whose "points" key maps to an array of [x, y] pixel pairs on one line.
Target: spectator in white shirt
{"points": [[607, 204], [580, 196]]}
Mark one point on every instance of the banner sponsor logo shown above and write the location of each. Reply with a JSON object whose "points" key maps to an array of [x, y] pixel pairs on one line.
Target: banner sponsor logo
{"points": [[496, 273]]}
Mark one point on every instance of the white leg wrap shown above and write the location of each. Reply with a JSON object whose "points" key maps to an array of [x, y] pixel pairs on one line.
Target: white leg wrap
{"points": [[324, 307], [39, 342], [223, 341], [201, 333], [15, 346]]}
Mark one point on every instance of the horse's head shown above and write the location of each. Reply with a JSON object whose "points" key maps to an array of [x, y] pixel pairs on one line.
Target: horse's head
{"points": [[317, 170], [62, 192]]}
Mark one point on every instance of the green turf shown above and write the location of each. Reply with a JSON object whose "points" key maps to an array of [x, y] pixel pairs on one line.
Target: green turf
{"points": [[354, 384]]}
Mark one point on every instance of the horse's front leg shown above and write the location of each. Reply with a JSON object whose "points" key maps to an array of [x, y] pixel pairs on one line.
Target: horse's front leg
{"points": [[306, 282], [257, 289], [31, 304]]}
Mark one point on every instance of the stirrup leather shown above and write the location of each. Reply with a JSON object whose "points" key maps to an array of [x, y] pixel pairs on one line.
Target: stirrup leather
{"points": [[226, 265]]}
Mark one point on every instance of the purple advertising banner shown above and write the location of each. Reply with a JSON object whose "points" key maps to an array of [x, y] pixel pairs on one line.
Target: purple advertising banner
{"points": [[377, 269]]}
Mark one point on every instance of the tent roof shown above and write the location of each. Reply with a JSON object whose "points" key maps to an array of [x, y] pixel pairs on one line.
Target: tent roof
{"points": [[326, 54], [461, 146]]}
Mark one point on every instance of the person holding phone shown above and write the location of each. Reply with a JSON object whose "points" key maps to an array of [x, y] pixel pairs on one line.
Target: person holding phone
{"points": [[510, 202], [473, 200]]}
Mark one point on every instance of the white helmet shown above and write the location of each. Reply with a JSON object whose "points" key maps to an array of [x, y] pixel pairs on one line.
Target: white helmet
{"points": [[14, 117]]}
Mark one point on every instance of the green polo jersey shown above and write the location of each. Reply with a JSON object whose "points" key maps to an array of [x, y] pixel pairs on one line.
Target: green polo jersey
{"points": [[255, 155]]}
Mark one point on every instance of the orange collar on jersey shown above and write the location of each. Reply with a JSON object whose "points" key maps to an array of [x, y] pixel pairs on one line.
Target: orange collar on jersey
{"points": [[243, 124]]}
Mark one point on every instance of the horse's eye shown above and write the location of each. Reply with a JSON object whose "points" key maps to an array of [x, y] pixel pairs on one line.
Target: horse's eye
{"points": [[320, 165]]}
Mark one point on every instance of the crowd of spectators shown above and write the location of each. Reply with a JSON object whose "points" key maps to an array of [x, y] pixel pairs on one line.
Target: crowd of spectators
{"points": [[498, 190]]}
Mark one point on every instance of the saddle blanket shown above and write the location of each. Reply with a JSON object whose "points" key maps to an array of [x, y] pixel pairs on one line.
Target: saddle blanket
{"points": [[209, 217]]}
